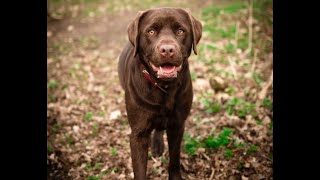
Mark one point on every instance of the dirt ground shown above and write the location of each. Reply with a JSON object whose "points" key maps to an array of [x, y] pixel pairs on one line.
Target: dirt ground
{"points": [[87, 128]]}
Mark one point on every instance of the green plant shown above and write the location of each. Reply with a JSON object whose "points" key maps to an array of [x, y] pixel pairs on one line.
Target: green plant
{"points": [[53, 98], [193, 76], [239, 144], [271, 125], [164, 160], [228, 153], [90, 42], [221, 140], [231, 105], [76, 67], [257, 78], [114, 151], [226, 9], [95, 129], [97, 177], [241, 165], [101, 113], [210, 106], [240, 107], [88, 116], [94, 178], [211, 47], [211, 62], [219, 33], [69, 139], [221, 60], [247, 109], [229, 48], [97, 166], [243, 43], [56, 127], [53, 84], [90, 167], [267, 103], [191, 145], [215, 108], [231, 91], [49, 149], [103, 173], [235, 101], [252, 149], [259, 122], [114, 169]]}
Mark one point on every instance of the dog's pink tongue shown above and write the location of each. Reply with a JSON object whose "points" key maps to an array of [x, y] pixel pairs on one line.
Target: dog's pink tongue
{"points": [[167, 69]]}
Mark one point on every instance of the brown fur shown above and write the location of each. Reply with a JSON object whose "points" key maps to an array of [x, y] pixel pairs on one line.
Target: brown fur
{"points": [[149, 108]]}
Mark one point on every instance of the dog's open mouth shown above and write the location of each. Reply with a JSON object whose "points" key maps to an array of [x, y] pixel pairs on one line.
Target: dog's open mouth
{"points": [[166, 70]]}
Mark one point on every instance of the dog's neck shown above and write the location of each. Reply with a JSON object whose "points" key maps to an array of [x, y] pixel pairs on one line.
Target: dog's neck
{"points": [[146, 74]]}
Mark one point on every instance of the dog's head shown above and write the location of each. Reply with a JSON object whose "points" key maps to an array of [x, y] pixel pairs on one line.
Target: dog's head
{"points": [[164, 38]]}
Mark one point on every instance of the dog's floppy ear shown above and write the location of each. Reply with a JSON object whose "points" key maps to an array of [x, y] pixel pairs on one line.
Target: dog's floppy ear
{"points": [[196, 31], [133, 31]]}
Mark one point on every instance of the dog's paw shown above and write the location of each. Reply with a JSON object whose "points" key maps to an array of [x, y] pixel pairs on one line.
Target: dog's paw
{"points": [[175, 176]]}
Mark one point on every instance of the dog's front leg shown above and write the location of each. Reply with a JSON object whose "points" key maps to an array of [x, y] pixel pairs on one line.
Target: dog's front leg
{"points": [[175, 134], [139, 154]]}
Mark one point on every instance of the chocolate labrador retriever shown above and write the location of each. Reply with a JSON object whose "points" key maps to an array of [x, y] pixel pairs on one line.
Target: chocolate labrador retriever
{"points": [[154, 72]]}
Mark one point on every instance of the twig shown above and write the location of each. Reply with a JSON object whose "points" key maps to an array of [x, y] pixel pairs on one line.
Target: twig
{"points": [[232, 65], [264, 90], [207, 157], [154, 159], [250, 27], [218, 21], [236, 34], [212, 174], [254, 61], [266, 157]]}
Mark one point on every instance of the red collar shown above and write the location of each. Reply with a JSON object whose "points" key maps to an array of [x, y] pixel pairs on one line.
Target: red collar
{"points": [[152, 81]]}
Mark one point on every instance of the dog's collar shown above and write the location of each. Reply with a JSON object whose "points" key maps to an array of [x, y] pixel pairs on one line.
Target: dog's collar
{"points": [[151, 80]]}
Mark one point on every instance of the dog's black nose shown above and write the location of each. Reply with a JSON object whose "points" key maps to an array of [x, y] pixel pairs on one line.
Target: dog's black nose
{"points": [[167, 50]]}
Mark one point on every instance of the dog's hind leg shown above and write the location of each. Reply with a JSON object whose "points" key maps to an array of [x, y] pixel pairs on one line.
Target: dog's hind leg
{"points": [[157, 145]]}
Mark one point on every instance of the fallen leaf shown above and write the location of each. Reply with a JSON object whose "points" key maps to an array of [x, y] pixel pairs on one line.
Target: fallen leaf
{"points": [[70, 28], [49, 34], [115, 114], [244, 178]]}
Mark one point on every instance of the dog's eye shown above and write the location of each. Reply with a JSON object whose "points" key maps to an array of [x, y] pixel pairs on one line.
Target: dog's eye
{"points": [[151, 32], [180, 32]]}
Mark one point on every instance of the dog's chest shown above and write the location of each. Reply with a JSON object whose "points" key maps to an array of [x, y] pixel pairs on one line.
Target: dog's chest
{"points": [[166, 112], [167, 101]]}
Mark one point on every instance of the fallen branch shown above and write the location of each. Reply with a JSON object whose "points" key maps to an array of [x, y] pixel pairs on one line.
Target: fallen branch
{"points": [[264, 90], [266, 157], [233, 67], [250, 27], [236, 34], [212, 174], [254, 61]]}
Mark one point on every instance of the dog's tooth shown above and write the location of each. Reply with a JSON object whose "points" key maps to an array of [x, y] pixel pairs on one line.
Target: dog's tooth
{"points": [[160, 69]]}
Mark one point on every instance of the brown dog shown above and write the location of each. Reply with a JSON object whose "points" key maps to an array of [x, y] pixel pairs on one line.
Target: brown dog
{"points": [[154, 72]]}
